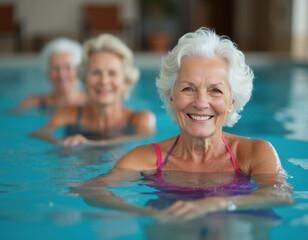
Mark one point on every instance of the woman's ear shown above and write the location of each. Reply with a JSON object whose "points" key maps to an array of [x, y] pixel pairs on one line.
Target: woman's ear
{"points": [[231, 106], [171, 102], [125, 88], [125, 85]]}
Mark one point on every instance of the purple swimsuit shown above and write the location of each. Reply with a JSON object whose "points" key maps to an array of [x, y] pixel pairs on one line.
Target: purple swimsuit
{"points": [[169, 193], [161, 182]]}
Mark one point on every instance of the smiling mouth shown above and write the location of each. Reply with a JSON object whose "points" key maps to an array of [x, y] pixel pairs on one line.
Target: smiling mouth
{"points": [[63, 82], [199, 117], [103, 91]]}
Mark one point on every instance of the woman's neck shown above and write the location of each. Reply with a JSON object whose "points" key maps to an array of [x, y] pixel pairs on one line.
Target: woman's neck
{"points": [[199, 149], [107, 116], [66, 97]]}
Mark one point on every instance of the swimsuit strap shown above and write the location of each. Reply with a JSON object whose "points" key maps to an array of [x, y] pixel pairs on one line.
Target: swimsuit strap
{"points": [[160, 164], [158, 153], [231, 154], [166, 158]]}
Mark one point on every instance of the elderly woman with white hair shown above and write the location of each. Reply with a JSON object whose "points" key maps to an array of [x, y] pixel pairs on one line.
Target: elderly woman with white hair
{"points": [[59, 60], [204, 84], [108, 75]]}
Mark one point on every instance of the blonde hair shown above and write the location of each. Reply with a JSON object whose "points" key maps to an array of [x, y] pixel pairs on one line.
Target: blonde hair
{"points": [[109, 43]]}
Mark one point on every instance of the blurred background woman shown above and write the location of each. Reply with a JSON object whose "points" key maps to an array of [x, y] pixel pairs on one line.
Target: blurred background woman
{"points": [[108, 75], [60, 58]]}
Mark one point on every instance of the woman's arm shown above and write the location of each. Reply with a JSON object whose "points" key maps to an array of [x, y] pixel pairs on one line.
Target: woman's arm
{"points": [[273, 193], [61, 118], [144, 122], [31, 101], [126, 170], [94, 194], [45, 133]]}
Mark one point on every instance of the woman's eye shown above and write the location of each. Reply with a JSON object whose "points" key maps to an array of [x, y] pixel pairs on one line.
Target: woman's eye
{"points": [[187, 89], [54, 68], [68, 67], [95, 72], [112, 73], [216, 90]]}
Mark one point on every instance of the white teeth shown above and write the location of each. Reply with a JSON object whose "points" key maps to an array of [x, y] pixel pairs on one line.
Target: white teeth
{"points": [[200, 118]]}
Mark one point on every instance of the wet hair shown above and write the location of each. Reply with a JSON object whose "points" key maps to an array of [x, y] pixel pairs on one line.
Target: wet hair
{"points": [[206, 43], [109, 43], [61, 45]]}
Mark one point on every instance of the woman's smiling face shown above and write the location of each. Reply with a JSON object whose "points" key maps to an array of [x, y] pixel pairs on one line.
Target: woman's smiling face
{"points": [[202, 95], [62, 72], [105, 81]]}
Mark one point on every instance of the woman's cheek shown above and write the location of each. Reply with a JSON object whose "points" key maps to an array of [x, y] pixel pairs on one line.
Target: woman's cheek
{"points": [[72, 74], [181, 102], [88, 84], [221, 104], [90, 81], [118, 81]]}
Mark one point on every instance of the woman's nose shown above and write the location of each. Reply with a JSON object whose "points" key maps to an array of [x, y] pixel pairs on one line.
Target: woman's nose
{"points": [[201, 100], [103, 78], [62, 73]]}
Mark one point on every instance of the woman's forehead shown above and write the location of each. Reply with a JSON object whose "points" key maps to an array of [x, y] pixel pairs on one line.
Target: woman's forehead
{"points": [[202, 69], [204, 63]]}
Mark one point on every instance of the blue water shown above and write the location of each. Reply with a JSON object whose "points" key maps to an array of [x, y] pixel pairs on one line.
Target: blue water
{"points": [[35, 201]]}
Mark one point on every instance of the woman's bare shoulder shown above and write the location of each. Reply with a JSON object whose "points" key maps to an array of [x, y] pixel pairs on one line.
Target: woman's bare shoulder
{"points": [[262, 149], [254, 145], [141, 158], [64, 116], [257, 156], [82, 98], [144, 114], [144, 121]]}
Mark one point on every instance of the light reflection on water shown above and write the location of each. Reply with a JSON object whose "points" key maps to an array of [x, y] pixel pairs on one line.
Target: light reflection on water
{"points": [[295, 115]]}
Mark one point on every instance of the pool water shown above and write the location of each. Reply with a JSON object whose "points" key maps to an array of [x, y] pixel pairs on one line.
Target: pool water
{"points": [[35, 176]]}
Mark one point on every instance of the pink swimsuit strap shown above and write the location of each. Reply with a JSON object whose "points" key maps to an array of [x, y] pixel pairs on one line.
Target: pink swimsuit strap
{"points": [[160, 164], [158, 153], [230, 152]]}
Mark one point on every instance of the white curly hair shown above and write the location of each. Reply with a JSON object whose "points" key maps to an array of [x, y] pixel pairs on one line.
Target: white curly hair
{"points": [[207, 44], [61, 45]]}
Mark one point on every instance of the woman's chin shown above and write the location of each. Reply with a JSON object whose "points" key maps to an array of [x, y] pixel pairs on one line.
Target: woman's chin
{"points": [[64, 89], [198, 134], [104, 103]]}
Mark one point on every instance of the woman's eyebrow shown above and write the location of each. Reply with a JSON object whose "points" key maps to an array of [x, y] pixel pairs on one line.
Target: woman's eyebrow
{"points": [[188, 82], [218, 84]]}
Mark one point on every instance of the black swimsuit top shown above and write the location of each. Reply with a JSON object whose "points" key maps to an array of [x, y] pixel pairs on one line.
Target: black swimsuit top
{"points": [[45, 108], [96, 135]]}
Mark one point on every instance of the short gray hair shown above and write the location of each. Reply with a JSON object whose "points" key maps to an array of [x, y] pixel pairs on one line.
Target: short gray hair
{"points": [[109, 43], [61, 45], [207, 44]]}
